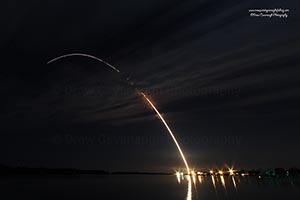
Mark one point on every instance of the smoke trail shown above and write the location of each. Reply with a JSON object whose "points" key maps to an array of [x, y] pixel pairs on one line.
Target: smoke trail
{"points": [[84, 55], [148, 100]]}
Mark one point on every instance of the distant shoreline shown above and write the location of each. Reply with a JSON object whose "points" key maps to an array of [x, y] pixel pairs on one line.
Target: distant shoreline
{"points": [[8, 170], [41, 171]]}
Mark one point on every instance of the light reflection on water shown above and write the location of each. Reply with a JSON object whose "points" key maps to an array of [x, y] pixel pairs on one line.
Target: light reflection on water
{"points": [[213, 181], [221, 183], [189, 189], [200, 179], [178, 176], [233, 181], [149, 187]]}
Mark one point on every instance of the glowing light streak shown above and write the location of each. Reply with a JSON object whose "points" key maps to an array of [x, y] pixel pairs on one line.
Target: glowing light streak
{"points": [[84, 55], [189, 189], [157, 112], [200, 179], [214, 184], [170, 131], [213, 181], [234, 183], [193, 174], [223, 182], [178, 176]]}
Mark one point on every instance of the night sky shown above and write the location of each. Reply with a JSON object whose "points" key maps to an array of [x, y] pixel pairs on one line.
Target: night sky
{"points": [[227, 83]]}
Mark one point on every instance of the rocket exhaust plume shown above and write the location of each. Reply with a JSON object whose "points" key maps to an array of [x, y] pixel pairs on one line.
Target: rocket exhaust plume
{"points": [[170, 131], [83, 55], [148, 100]]}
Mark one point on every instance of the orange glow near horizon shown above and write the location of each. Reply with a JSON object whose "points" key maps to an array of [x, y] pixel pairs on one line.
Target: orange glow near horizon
{"points": [[169, 130]]}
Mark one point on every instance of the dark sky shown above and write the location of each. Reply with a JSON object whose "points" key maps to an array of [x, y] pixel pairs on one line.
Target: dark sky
{"points": [[227, 83]]}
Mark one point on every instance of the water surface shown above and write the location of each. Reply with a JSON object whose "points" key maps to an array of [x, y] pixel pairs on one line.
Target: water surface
{"points": [[152, 187]]}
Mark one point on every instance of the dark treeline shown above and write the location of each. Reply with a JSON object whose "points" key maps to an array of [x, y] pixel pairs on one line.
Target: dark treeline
{"points": [[10, 170], [21, 170]]}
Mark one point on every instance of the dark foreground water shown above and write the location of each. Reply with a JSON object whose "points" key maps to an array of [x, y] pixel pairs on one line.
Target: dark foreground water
{"points": [[154, 187]]}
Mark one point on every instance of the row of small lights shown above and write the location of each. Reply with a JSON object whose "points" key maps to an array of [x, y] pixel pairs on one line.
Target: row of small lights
{"points": [[231, 172]]}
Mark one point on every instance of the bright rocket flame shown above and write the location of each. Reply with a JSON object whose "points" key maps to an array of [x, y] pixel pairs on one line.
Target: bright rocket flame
{"points": [[169, 130]]}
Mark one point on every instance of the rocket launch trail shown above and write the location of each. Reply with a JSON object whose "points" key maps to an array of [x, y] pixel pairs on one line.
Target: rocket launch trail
{"points": [[169, 130], [83, 55], [143, 94]]}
